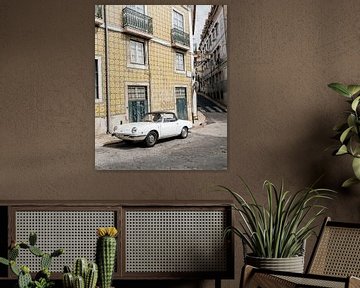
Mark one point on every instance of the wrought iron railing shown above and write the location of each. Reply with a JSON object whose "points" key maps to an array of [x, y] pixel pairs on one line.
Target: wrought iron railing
{"points": [[99, 11], [180, 37], [137, 20]]}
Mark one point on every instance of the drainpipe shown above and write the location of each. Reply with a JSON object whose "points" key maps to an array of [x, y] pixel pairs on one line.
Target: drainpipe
{"points": [[225, 23], [108, 119], [194, 97], [149, 96]]}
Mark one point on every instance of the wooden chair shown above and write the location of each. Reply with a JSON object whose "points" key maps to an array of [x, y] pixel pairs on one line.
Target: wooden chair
{"points": [[334, 263]]}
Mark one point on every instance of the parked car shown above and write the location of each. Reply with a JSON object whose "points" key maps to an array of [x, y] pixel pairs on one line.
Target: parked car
{"points": [[152, 127]]}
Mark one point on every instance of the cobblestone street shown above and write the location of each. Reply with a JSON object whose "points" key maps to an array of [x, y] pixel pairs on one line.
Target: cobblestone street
{"points": [[204, 149]]}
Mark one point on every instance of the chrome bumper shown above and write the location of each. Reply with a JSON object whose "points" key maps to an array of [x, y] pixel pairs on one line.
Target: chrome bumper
{"points": [[129, 137]]}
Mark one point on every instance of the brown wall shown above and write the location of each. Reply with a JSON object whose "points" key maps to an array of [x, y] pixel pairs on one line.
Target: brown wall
{"points": [[282, 54]]}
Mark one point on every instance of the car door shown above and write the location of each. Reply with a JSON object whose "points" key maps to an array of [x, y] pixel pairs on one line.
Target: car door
{"points": [[169, 126]]}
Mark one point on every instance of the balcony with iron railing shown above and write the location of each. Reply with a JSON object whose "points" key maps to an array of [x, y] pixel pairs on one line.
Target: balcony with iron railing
{"points": [[99, 14], [180, 39], [137, 23]]}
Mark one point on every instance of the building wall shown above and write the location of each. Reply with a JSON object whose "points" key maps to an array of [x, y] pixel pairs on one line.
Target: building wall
{"points": [[213, 73], [283, 54], [100, 106], [159, 76]]}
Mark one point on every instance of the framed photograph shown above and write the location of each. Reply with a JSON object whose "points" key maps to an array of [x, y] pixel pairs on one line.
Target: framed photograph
{"points": [[160, 87]]}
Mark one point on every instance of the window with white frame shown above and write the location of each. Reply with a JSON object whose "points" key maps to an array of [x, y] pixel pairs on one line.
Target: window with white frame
{"points": [[137, 8], [180, 62], [137, 92], [178, 20], [180, 92], [137, 52], [98, 84]]}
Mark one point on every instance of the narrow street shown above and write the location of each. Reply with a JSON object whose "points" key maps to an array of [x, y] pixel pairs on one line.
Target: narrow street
{"points": [[215, 115], [204, 149]]}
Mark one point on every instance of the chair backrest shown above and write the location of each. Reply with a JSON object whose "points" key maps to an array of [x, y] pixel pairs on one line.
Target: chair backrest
{"points": [[337, 251]]}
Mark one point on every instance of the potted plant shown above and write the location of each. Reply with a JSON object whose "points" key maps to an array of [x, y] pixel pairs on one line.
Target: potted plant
{"points": [[84, 274], [348, 132], [42, 278], [106, 254], [276, 233]]}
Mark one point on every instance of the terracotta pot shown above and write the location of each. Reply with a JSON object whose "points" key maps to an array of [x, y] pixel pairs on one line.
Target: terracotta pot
{"points": [[291, 264]]}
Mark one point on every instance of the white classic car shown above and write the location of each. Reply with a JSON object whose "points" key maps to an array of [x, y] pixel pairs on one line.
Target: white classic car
{"points": [[152, 127]]}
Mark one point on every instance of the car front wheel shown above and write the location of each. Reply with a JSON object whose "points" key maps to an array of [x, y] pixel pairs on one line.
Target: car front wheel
{"points": [[184, 132], [151, 139]]}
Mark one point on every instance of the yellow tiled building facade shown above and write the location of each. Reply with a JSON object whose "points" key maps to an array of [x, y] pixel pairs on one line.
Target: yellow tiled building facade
{"points": [[142, 62]]}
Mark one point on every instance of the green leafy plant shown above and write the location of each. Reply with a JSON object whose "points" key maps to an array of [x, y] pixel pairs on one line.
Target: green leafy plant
{"points": [[42, 278], [348, 132], [279, 229], [43, 283]]}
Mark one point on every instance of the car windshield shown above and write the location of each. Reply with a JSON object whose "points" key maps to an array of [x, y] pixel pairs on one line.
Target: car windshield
{"points": [[152, 117]]}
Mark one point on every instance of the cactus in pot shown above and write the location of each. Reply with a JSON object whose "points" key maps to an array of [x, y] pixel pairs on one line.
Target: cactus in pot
{"points": [[25, 279], [42, 278], [85, 275], [106, 254], [79, 282], [68, 278], [91, 276], [81, 267]]}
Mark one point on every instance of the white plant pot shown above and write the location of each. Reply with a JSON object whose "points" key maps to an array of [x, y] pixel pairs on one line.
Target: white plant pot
{"points": [[291, 264]]}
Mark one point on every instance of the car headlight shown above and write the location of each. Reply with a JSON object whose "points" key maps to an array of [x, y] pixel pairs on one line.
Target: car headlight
{"points": [[133, 130]]}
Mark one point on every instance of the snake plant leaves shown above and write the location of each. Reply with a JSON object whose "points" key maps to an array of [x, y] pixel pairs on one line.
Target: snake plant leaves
{"points": [[279, 228], [342, 150]]}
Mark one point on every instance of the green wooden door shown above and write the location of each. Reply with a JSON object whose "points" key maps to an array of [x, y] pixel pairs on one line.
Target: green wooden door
{"points": [[138, 104], [181, 105]]}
